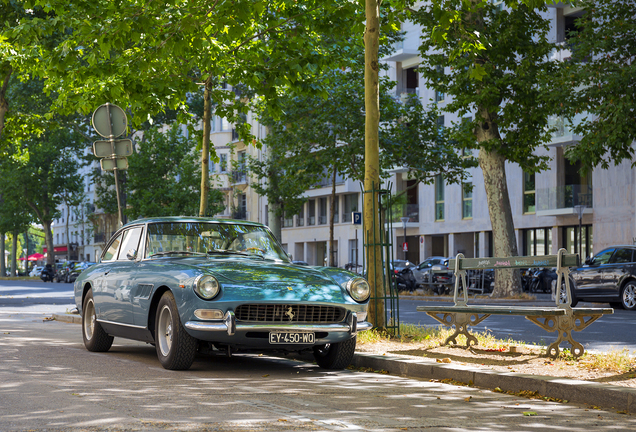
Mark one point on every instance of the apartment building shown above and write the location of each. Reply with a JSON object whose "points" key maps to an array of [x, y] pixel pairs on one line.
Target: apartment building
{"points": [[556, 208]]}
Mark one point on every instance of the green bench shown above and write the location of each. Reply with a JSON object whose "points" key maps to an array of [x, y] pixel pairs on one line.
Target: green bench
{"points": [[562, 318]]}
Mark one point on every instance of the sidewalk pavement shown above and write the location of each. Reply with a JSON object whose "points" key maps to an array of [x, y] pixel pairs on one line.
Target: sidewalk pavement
{"points": [[599, 395]]}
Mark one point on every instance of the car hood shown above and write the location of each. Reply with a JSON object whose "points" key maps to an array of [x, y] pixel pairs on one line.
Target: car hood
{"points": [[252, 271]]}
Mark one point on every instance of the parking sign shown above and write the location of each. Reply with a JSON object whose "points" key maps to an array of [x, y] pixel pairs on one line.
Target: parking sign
{"points": [[356, 218]]}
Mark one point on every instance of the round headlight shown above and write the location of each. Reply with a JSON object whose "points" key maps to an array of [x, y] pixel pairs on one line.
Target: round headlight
{"points": [[206, 287], [358, 289]]}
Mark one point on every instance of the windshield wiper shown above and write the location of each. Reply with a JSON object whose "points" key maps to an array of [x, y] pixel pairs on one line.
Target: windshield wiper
{"points": [[233, 252], [175, 253]]}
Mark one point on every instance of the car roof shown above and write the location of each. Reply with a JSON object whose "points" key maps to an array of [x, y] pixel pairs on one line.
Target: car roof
{"points": [[192, 219]]}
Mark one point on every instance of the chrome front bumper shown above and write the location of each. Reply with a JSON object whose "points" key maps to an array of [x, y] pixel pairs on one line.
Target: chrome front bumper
{"points": [[229, 325]]}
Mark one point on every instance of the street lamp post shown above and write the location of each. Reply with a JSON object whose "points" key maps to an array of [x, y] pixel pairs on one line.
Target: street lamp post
{"points": [[579, 209], [404, 221]]}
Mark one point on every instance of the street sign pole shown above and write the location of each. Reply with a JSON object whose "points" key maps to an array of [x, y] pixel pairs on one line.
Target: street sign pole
{"points": [[111, 138], [110, 122]]}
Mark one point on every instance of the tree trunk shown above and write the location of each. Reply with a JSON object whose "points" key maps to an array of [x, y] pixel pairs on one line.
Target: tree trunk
{"points": [[68, 237], [205, 149], [371, 232], [3, 268], [274, 221], [332, 250], [14, 253], [48, 236], [507, 282]]}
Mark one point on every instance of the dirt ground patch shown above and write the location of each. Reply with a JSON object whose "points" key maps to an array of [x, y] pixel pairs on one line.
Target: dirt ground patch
{"points": [[526, 360]]}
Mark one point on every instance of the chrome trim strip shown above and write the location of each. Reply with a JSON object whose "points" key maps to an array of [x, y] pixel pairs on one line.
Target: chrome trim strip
{"points": [[121, 324], [339, 328]]}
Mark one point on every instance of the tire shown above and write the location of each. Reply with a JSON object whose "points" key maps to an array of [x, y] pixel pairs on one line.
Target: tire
{"points": [[562, 294], [95, 338], [628, 296], [176, 349], [335, 356]]}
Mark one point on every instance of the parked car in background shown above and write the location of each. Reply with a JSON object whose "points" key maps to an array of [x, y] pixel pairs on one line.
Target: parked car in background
{"points": [[608, 277], [201, 284], [35, 272], [427, 276], [403, 273], [64, 271], [77, 269]]}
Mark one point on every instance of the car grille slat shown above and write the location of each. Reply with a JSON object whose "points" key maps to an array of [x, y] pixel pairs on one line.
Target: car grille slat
{"points": [[286, 313]]}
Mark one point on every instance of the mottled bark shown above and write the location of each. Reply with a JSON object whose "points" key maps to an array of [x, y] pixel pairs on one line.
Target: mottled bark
{"points": [[371, 164], [331, 216], [493, 166], [274, 220], [48, 237], [205, 149], [3, 268]]}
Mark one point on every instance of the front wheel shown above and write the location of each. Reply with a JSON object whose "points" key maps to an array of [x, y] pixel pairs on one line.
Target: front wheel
{"points": [[628, 296], [335, 355], [95, 338], [176, 349]]}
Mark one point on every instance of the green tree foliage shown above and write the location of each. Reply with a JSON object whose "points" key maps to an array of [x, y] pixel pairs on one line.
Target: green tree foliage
{"points": [[39, 168], [163, 176], [510, 98], [600, 82]]}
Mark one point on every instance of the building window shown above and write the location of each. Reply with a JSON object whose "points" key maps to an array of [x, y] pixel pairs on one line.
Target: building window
{"points": [[467, 199], [440, 125], [571, 240], [225, 125], [311, 212], [439, 198], [288, 221], [322, 211], [528, 193], [336, 201], [439, 96], [350, 206], [537, 241], [300, 218], [223, 163]]}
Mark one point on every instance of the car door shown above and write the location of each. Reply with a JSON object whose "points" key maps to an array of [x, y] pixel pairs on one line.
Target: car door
{"points": [[589, 278], [119, 280], [619, 266]]}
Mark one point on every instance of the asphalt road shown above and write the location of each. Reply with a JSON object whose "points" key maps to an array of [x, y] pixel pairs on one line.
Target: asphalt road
{"points": [[611, 332], [50, 382]]}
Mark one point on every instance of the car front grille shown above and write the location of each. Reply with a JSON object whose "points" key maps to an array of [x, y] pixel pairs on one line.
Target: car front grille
{"points": [[281, 313]]}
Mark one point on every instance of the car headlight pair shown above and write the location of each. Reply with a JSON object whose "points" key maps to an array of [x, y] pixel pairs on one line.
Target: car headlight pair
{"points": [[207, 287], [358, 289]]}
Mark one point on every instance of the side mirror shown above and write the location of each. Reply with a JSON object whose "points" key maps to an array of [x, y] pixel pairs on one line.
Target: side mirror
{"points": [[132, 254]]}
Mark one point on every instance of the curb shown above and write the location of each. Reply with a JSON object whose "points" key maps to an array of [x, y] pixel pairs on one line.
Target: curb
{"points": [[585, 392], [68, 318]]}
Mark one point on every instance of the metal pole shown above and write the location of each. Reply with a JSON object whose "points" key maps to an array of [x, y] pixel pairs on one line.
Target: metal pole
{"points": [[111, 138]]}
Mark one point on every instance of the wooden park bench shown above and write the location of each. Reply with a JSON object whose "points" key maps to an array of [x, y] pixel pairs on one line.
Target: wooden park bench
{"points": [[562, 318]]}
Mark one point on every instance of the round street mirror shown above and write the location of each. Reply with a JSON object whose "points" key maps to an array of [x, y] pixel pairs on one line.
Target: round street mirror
{"points": [[109, 120]]}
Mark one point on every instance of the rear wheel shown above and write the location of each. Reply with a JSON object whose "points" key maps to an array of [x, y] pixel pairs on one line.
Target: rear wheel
{"points": [[335, 355], [563, 294], [176, 349], [95, 338], [628, 296]]}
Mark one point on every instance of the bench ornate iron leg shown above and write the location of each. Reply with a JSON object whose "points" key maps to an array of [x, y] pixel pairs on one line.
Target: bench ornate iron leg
{"points": [[461, 321], [564, 325]]}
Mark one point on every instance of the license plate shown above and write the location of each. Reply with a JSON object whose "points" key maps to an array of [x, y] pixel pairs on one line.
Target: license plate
{"points": [[291, 338]]}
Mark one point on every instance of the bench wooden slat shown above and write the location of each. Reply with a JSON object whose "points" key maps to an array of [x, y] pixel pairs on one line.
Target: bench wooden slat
{"points": [[569, 260], [498, 310]]}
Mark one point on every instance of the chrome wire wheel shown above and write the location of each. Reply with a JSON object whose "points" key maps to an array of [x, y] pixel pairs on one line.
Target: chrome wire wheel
{"points": [[164, 330], [629, 296], [89, 319]]}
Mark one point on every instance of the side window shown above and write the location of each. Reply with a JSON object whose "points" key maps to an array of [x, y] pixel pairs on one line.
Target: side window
{"points": [[111, 253], [130, 241], [622, 256], [602, 258]]}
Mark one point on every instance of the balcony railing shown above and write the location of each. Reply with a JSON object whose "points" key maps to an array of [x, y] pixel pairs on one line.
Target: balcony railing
{"points": [[564, 197], [412, 211], [239, 214], [239, 176]]}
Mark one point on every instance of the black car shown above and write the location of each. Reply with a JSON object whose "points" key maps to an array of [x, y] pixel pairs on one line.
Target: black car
{"points": [[608, 277]]}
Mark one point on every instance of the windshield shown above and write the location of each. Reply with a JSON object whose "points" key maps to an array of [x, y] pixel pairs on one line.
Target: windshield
{"points": [[201, 238]]}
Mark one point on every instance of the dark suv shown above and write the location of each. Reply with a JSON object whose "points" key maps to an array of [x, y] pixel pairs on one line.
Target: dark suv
{"points": [[610, 277]]}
